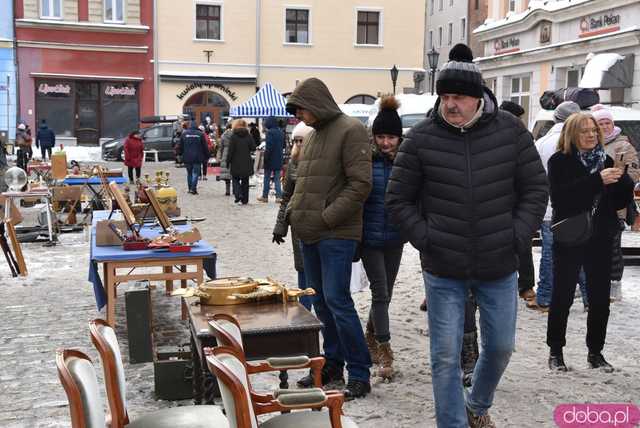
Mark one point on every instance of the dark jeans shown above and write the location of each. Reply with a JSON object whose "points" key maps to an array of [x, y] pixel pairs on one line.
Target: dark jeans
{"points": [[382, 265], [526, 275], [205, 165], [617, 259], [595, 257], [241, 189], [193, 173], [44, 151], [137, 174], [327, 265]]}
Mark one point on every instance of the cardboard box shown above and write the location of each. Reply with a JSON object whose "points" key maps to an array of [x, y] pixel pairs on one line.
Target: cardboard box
{"points": [[66, 193], [105, 236], [58, 165]]}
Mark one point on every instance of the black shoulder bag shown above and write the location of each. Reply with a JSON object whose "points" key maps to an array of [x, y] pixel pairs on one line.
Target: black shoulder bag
{"points": [[575, 230]]}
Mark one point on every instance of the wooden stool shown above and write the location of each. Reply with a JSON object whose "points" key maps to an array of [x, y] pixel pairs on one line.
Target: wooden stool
{"points": [[152, 152]]}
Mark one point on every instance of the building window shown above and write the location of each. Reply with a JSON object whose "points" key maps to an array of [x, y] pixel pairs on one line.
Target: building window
{"points": [[521, 93], [433, 6], [430, 39], [361, 99], [368, 28], [440, 4], [512, 5], [463, 29], [450, 34], [491, 84], [208, 22], [439, 37], [51, 9], [114, 10], [573, 76], [297, 26]]}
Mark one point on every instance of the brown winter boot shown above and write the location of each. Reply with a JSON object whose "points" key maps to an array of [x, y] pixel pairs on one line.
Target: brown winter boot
{"points": [[372, 344], [385, 361]]}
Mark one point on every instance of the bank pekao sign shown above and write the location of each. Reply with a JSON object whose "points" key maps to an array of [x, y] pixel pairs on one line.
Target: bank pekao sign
{"points": [[599, 24], [58, 89], [208, 85], [122, 91], [502, 46]]}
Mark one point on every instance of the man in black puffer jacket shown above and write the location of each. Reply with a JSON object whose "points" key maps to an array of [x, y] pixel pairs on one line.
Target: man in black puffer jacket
{"points": [[468, 190], [194, 150]]}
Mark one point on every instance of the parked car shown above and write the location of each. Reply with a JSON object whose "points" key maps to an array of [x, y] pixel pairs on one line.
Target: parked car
{"points": [[159, 136], [413, 108], [626, 118]]}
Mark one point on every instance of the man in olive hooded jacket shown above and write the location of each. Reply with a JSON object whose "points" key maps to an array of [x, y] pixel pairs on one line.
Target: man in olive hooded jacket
{"points": [[325, 212]]}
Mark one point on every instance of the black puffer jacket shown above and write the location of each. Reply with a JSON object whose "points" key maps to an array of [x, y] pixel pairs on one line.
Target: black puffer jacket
{"points": [[468, 199]]}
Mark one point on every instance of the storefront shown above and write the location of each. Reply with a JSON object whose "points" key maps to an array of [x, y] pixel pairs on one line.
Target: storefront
{"points": [[200, 97], [547, 48], [86, 109]]}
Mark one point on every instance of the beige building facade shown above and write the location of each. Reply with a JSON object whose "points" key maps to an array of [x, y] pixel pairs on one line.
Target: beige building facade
{"points": [[213, 54]]}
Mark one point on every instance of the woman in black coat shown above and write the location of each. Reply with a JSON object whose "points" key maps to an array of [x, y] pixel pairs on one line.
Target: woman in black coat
{"points": [[581, 177], [239, 160]]}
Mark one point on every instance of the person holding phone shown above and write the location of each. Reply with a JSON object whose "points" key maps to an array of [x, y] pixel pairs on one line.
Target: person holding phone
{"points": [[625, 157]]}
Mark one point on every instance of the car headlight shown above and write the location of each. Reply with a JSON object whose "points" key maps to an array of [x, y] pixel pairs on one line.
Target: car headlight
{"points": [[110, 144]]}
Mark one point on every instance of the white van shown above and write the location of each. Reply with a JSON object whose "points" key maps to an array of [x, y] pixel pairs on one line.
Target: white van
{"points": [[413, 108], [625, 118], [359, 111]]}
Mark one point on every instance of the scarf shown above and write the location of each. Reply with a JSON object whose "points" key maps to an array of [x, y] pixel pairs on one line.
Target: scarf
{"points": [[593, 160], [611, 137], [476, 117]]}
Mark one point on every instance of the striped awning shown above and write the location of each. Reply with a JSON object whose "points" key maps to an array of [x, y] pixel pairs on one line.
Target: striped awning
{"points": [[266, 102]]}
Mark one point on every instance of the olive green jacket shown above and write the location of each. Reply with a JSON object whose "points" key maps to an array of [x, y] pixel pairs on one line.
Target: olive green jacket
{"points": [[334, 170]]}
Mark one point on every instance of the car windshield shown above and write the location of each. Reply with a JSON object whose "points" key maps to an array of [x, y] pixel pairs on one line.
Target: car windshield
{"points": [[408, 120]]}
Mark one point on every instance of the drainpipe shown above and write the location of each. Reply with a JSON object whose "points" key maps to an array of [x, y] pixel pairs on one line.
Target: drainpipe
{"points": [[16, 62], [156, 77], [258, 41]]}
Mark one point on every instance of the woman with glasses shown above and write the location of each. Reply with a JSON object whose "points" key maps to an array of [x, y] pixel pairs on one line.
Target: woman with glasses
{"points": [[583, 178], [280, 230]]}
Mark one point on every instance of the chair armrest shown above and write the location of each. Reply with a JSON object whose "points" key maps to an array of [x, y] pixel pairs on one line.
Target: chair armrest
{"points": [[302, 399], [300, 361], [280, 392]]}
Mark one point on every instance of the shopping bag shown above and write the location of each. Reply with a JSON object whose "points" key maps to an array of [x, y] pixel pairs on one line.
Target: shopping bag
{"points": [[359, 280]]}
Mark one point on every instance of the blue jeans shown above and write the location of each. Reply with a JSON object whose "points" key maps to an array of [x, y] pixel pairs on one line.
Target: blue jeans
{"points": [[498, 303], [193, 173], [327, 266], [302, 285], [267, 181], [545, 282]]}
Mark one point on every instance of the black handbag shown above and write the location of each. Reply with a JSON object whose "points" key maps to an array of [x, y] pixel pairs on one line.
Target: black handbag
{"points": [[575, 230]]}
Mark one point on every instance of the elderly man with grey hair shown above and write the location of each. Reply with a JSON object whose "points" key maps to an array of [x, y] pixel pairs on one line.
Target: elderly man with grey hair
{"points": [[547, 146]]}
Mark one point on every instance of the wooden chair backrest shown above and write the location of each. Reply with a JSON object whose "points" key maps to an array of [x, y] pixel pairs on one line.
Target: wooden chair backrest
{"points": [[227, 331], [78, 377], [104, 339], [229, 368]]}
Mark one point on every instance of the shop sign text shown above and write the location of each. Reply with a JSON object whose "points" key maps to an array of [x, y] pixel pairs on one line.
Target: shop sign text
{"points": [[45, 88], [126, 91], [512, 43], [595, 23], [201, 85]]}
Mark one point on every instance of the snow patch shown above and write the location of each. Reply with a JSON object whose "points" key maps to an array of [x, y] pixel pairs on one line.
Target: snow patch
{"points": [[596, 67]]}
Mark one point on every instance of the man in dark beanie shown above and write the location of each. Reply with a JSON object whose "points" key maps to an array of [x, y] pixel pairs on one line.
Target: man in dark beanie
{"points": [[468, 190], [325, 212], [513, 108]]}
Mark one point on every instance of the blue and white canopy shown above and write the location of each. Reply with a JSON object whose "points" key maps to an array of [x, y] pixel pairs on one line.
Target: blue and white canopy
{"points": [[266, 102]]}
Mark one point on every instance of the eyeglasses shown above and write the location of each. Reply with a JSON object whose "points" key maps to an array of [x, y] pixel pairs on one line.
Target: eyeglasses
{"points": [[589, 131]]}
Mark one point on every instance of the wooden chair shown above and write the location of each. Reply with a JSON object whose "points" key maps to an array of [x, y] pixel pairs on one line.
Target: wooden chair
{"points": [[78, 377], [104, 338], [227, 331], [242, 405]]}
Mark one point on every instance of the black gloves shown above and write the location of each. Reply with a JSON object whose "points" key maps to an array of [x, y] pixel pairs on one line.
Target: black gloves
{"points": [[278, 239]]}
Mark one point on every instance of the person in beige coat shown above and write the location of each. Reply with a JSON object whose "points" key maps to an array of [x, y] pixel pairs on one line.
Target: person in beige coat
{"points": [[325, 212], [622, 152]]}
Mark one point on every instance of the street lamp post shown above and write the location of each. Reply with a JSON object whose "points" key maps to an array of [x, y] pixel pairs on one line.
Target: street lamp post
{"points": [[433, 56], [394, 77]]}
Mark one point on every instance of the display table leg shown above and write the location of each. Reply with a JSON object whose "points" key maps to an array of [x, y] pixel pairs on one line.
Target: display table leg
{"points": [[168, 284], [111, 294]]}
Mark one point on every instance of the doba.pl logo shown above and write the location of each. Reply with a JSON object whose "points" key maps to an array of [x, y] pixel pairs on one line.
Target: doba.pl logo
{"points": [[597, 415]]}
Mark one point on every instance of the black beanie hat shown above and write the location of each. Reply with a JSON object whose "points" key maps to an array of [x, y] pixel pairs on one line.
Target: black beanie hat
{"points": [[513, 108], [387, 121], [460, 75]]}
